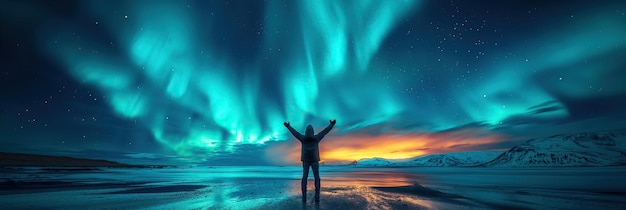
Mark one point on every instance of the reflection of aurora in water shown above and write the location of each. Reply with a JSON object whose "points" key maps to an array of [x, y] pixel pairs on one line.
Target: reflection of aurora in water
{"points": [[200, 79], [278, 187]]}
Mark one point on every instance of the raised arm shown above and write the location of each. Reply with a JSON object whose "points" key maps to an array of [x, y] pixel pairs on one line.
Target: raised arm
{"points": [[323, 133], [295, 133]]}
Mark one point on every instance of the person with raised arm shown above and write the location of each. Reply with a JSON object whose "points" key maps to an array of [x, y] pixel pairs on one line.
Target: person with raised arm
{"points": [[310, 155]]}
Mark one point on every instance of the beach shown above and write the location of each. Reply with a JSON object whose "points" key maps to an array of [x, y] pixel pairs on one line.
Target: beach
{"points": [[343, 187]]}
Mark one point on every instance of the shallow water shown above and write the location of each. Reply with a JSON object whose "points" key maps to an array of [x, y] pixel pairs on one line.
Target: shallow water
{"points": [[251, 186], [597, 178]]}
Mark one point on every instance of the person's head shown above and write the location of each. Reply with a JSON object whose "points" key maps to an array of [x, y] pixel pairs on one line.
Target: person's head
{"points": [[309, 131]]}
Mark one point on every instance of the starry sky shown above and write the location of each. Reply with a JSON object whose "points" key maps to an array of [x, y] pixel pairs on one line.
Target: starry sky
{"points": [[211, 82]]}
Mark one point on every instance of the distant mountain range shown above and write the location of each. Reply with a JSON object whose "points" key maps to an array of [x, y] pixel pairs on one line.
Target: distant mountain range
{"points": [[606, 148], [16, 159], [455, 159]]}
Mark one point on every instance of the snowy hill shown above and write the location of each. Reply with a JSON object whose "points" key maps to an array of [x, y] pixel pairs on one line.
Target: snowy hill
{"points": [[435, 160], [584, 149], [453, 159], [338, 163], [606, 148], [373, 162], [17, 159]]}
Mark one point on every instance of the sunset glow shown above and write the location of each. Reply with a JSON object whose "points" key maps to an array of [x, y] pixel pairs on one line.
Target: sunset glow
{"points": [[388, 146]]}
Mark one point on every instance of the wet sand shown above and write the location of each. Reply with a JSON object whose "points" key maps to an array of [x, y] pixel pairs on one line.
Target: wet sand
{"points": [[342, 188]]}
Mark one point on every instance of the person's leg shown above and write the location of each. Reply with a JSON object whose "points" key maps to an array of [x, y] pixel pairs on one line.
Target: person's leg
{"points": [[305, 176], [316, 174]]}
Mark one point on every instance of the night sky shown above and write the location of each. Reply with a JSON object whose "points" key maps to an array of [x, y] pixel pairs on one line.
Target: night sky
{"points": [[211, 82]]}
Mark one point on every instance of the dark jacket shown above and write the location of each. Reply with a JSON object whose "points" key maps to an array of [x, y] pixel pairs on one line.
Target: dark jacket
{"points": [[310, 150]]}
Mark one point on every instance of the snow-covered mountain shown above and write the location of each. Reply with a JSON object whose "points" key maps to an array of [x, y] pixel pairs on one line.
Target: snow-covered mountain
{"points": [[435, 160], [338, 163], [452, 159], [373, 162], [605, 148], [585, 149]]}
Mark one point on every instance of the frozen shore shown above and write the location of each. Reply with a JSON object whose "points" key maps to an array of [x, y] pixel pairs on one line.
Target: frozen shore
{"points": [[342, 188]]}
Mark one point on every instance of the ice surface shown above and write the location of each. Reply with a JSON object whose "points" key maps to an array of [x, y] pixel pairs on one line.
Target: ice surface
{"points": [[272, 187]]}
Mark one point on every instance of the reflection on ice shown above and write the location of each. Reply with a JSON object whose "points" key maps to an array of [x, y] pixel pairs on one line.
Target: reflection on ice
{"points": [[370, 179], [269, 187], [207, 175]]}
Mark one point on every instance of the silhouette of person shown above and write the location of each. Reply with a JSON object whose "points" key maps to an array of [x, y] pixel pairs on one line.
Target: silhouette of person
{"points": [[310, 155]]}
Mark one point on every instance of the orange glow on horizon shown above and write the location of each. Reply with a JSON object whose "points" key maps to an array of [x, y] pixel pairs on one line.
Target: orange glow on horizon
{"points": [[388, 146], [348, 148]]}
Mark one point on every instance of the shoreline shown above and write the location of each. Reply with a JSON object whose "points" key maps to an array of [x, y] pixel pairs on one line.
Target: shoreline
{"points": [[138, 195], [349, 188]]}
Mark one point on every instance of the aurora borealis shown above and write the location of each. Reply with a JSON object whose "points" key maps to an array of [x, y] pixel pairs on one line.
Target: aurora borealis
{"points": [[213, 81]]}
